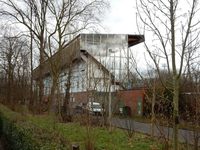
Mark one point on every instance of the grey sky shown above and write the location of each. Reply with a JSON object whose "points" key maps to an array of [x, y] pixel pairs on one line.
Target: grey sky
{"points": [[121, 17]]}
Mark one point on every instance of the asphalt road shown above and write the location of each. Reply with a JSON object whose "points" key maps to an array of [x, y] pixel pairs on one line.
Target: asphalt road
{"points": [[185, 136]]}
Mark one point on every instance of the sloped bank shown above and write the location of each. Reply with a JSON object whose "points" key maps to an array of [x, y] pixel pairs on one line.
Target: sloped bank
{"points": [[43, 132], [21, 134]]}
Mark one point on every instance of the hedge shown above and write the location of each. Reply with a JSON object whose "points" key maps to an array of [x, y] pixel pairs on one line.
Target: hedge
{"points": [[20, 134]]}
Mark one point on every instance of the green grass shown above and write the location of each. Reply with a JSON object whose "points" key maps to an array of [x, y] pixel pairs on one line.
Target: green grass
{"points": [[103, 139], [74, 133]]}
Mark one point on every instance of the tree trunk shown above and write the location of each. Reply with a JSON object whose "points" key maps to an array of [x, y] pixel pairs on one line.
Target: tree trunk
{"points": [[51, 103], [66, 106], [41, 85], [31, 103], [175, 112], [152, 110], [66, 114]]}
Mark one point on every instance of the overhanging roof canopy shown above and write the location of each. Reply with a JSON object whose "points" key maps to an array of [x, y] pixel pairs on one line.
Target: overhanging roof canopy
{"points": [[135, 39]]}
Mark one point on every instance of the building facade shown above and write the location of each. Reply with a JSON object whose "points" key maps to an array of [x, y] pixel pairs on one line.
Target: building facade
{"points": [[100, 64]]}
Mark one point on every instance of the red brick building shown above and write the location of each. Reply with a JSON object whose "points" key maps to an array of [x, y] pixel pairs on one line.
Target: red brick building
{"points": [[132, 98]]}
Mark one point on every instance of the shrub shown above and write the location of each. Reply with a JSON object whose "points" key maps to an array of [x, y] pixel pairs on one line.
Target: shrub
{"points": [[23, 135]]}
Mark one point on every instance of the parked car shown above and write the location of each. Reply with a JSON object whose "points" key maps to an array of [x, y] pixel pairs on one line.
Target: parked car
{"points": [[94, 108]]}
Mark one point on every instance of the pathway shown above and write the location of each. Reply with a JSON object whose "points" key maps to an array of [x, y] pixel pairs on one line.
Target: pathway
{"points": [[184, 135]]}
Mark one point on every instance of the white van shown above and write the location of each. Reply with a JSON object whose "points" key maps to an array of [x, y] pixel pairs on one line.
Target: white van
{"points": [[94, 108]]}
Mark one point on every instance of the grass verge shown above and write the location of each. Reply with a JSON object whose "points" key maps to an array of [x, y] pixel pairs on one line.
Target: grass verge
{"points": [[44, 132]]}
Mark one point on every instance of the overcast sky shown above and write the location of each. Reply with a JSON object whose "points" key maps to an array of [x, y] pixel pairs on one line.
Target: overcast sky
{"points": [[121, 17]]}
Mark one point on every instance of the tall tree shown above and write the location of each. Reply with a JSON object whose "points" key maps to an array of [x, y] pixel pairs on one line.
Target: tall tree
{"points": [[171, 26], [71, 17], [20, 12], [14, 62], [52, 23]]}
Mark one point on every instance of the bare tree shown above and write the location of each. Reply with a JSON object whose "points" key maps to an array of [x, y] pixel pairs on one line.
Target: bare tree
{"points": [[21, 13], [71, 17], [158, 100], [51, 24], [171, 27], [13, 55]]}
